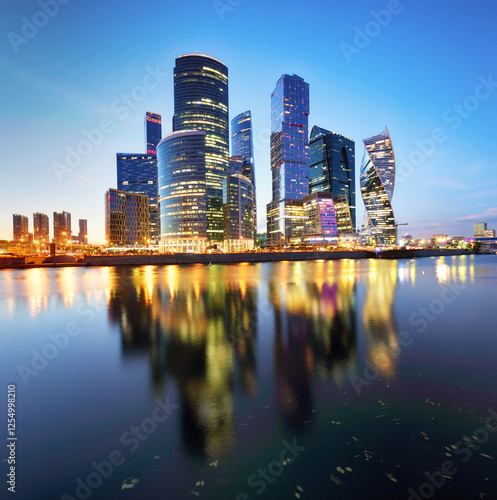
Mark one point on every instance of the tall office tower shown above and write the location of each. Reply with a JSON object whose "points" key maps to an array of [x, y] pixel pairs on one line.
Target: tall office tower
{"points": [[479, 229], [182, 191], [201, 103], [333, 166], [238, 202], [62, 227], [320, 223], [20, 228], [126, 219], [41, 227], [137, 173], [242, 144], [83, 231], [289, 160], [377, 185], [236, 165], [153, 132]]}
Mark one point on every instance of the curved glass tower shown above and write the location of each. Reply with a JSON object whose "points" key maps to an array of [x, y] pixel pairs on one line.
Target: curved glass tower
{"points": [[182, 191], [377, 185], [201, 103]]}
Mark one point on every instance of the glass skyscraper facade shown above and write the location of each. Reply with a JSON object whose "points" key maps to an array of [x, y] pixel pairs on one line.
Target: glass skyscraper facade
{"points": [[41, 227], [238, 202], [236, 166], [126, 219], [201, 103], [182, 191], [153, 132], [137, 173], [289, 160], [332, 166], [242, 144], [377, 186]]}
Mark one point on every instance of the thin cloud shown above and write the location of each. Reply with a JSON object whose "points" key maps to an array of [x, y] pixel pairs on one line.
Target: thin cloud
{"points": [[488, 214]]}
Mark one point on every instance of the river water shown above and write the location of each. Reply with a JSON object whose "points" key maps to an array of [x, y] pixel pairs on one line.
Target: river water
{"points": [[353, 379]]}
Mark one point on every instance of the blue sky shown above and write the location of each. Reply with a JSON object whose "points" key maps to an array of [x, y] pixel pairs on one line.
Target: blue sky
{"points": [[424, 69]]}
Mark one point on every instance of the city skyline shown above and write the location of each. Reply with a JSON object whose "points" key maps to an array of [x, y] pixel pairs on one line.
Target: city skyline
{"points": [[437, 97]]}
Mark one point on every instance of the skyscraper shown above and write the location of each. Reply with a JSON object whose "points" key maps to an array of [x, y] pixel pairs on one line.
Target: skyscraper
{"points": [[137, 173], [62, 227], [238, 201], [236, 165], [20, 228], [153, 132], [126, 219], [83, 231], [41, 227], [377, 185], [182, 191], [201, 103], [242, 144], [289, 159], [332, 166]]}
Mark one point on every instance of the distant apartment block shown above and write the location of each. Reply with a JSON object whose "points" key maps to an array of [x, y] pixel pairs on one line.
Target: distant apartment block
{"points": [[83, 231], [20, 228], [62, 227], [41, 227], [479, 229]]}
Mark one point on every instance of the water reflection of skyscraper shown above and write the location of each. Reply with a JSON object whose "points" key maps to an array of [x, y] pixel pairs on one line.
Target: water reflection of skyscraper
{"points": [[135, 308], [192, 330], [378, 318], [315, 335]]}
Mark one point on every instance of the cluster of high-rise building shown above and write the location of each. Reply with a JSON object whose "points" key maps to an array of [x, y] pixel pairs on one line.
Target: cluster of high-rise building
{"points": [[197, 196], [186, 193], [62, 233], [313, 181]]}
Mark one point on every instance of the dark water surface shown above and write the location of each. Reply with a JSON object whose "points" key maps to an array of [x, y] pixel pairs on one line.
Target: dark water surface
{"points": [[315, 380]]}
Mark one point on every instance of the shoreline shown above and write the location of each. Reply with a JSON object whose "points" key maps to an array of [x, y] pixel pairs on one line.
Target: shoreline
{"points": [[231, 258]]}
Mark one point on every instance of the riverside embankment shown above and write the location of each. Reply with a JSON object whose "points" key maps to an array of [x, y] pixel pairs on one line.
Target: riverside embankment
{"points": [[235, 258], [231, 258]]}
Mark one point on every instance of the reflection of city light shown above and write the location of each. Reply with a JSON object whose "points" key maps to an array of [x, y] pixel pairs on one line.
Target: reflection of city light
{"points": [[66, 279], [378, 317], [383, 360], [171, 275], [148, 282], [442, 271]]}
